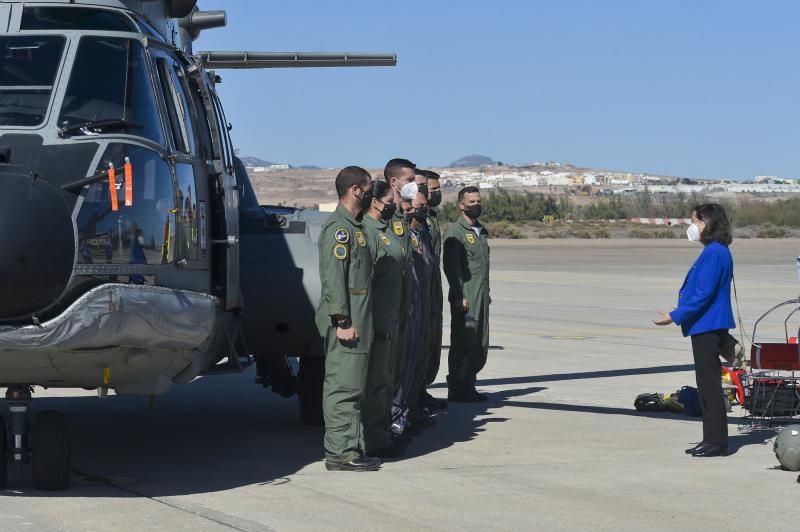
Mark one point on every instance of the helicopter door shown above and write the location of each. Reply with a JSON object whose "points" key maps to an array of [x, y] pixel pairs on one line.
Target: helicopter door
{"points": [[227, 190]]}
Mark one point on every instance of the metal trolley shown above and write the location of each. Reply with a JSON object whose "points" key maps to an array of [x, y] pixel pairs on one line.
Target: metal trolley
{"points": [[772, 389]]}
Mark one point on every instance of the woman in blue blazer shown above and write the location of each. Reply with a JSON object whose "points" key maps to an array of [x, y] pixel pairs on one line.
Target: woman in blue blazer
{"points": [[704, 313]]}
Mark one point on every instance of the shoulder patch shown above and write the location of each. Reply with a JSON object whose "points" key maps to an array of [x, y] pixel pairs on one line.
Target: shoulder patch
{"points": [[414, 240], [398, 228], [340, 251], [342, 236], [360, 239], [471, 238]]}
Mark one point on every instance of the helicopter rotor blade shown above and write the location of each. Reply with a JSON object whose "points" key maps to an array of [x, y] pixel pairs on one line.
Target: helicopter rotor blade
{"points": [[254, 60]]}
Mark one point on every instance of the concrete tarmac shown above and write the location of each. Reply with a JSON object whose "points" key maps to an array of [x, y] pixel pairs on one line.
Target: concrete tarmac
{"points": [[557, 447]]}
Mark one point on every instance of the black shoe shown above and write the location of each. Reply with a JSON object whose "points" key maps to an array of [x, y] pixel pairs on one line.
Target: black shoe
{"points": [[395, 450], [711, 450], [360, 463], [695, 448], [433, 403], [422, 419]]}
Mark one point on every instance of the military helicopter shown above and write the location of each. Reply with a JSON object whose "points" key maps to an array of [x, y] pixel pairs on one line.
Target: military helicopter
{"points": [[135, 253]]}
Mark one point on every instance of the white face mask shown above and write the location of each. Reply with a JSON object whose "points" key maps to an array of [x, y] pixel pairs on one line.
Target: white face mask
{"points": [[693, 233], [409, 191], [140, 240]]}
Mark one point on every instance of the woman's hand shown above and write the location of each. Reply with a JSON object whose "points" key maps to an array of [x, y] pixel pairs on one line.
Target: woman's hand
{"points": [[665, 319]]}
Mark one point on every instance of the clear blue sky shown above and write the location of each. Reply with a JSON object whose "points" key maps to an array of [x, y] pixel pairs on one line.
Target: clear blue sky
{"points": [[696, 88]]}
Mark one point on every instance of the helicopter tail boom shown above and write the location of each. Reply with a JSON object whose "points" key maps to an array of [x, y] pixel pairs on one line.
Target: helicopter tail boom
{"points": [[254, 60]]}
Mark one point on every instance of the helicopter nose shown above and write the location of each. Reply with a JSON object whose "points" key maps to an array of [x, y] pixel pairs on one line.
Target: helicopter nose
{"points": [[37, 245]]}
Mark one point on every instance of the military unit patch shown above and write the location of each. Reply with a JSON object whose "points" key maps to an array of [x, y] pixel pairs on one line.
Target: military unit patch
{"points": [[471, 238], [398, 228], [340, 251], [385, 239], [342, 236], [360, 239], [414, 240]]}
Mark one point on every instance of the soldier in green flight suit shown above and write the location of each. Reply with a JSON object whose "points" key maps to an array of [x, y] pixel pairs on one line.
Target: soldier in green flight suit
{"points": [[399, 174], [437, 298], [417, 215], [466, 265], [389, 262], [344, 319]]}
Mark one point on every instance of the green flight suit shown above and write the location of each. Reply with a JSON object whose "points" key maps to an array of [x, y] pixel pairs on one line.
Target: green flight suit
{"points": [[466, 265], [399, 228], [437, 300], [345, 270], [389, 260], [423, 263]]}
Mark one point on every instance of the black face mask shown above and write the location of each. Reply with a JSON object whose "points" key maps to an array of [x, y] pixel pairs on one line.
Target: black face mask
{"points": [[423, 189], [436, 198], [473, 211], [366, 200], [388, 210], [420, 214]]}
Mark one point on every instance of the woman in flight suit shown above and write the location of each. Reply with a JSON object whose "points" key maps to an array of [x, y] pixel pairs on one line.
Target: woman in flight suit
{"points": [[704, 313]]}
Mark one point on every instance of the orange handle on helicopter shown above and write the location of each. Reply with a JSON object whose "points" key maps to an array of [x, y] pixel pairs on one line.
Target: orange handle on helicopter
{"points": [[128, 183], [112, 186]]}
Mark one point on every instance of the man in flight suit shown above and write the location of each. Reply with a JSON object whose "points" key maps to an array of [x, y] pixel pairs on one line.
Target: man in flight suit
{"points": [[437, 298], [399, 174], [466, 265], [344, 319]]}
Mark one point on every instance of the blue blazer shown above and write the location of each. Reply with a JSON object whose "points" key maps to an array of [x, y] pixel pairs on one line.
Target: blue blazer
{"points": [[704, 301]]}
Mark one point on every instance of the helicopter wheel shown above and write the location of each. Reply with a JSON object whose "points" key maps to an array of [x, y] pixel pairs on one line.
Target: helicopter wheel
{"points": [[3, 453], [50, 452], [312, 376]]}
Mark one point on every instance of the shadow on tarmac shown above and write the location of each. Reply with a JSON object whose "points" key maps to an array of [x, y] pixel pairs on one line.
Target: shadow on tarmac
{"points": [[216, 434], [555, 377]]}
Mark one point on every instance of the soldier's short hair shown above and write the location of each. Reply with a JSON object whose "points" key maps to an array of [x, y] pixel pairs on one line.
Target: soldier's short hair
{"points": [[429, 174], [352, 175], [467, 190], [395, 166]]}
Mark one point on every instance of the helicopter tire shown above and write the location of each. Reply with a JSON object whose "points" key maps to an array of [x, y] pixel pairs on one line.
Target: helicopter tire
{"points": [[3, 453], [50, 454], [312, 376]]}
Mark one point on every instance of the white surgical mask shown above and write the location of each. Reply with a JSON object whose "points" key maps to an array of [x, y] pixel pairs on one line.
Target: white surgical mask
{"points": [[140, 240], [693, 233], [409, 191]]}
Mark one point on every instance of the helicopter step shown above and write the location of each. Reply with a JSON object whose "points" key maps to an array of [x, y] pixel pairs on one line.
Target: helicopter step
{"points": [[44, 444]]}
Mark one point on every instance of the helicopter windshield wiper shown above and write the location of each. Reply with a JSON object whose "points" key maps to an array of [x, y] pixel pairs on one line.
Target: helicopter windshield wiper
{"points": [[89, 127]]}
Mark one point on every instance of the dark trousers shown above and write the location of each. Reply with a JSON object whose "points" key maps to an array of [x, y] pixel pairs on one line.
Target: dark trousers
{"points": [[706, 348]]}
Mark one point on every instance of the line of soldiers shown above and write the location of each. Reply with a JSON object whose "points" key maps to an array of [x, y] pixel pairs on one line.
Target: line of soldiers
{"points": [[380, 311]]}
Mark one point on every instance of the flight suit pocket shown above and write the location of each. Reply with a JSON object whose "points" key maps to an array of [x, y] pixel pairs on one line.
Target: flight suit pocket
{"points": [[352, 369]]}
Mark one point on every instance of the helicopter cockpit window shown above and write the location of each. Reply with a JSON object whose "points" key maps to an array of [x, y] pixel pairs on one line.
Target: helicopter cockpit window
{"points": [[28, 68], [179, 113], [140, 233], [75, 18], [110, 92]]}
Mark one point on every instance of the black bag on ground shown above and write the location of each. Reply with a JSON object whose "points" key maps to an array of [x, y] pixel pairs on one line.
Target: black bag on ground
{"points": [[649, 402]]}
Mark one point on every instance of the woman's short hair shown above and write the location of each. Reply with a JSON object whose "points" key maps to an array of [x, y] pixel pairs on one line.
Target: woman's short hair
{"points": [[717, 225]]}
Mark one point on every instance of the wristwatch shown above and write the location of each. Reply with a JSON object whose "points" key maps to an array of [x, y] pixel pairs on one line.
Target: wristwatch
{"points": [[344, 323]]}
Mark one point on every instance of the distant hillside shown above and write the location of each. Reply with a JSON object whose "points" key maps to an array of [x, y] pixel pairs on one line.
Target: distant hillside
{"points": [[472, 160], [254, 161]]}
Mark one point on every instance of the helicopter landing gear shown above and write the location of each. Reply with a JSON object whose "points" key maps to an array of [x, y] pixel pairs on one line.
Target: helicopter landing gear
{"points": [[45, 446]]}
